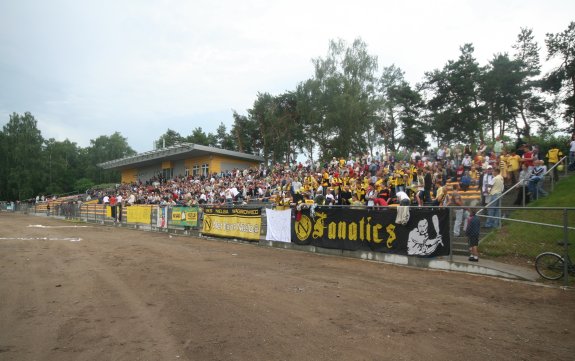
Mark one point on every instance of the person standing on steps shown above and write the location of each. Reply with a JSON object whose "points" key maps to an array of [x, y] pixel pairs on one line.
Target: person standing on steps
{"points": [[495, 189], [456, 201], [472, 232]]}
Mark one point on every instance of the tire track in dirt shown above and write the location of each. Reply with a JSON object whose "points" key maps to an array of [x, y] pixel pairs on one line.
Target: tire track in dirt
{"points": [[129, 295]]}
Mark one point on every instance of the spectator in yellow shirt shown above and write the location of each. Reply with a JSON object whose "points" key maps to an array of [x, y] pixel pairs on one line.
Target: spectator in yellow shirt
{"points": [[514, 166], [553, 156]]}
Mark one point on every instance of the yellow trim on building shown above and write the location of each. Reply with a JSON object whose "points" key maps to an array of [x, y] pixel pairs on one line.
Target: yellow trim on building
{"points": [[213, 161], [129, 175]]}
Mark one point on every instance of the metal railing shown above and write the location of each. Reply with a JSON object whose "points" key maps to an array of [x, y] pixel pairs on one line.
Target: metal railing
{"points": [[524, 190], [558, 222]]}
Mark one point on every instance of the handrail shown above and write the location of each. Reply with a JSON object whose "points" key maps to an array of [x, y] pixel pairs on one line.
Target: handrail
{"points": [[517, 185]]}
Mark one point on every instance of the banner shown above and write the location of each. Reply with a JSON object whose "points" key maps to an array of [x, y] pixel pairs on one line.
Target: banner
{"points": [[139, 214], [278, 225], [425, 234], [162, 217], [185, 216], [232, 222]]}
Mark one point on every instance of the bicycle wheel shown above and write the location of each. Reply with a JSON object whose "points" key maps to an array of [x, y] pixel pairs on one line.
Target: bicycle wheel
{"points": [[549, 265]]}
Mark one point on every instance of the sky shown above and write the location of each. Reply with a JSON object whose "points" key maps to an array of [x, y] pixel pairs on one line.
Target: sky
{"points": [[140, 67]]}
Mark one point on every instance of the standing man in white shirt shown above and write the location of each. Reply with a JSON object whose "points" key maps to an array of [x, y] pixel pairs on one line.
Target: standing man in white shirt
{"points": [[496, 187], [572, 149]]}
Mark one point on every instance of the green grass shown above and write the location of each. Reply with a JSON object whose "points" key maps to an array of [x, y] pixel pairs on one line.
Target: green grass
{"points": [[525, 241]]}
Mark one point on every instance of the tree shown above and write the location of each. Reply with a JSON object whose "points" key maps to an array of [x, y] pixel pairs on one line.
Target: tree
{"points": [[103, 149], [169, 138], [245, 134], [455, 109], [409, 104], [83, 184], [21, 158], [387, 126], [261, 114], [287, 130], [198, 136], [311, 117], [561, 80], [224, 140], [62, 166], [344, 85], [273, 127], [501, 91]]}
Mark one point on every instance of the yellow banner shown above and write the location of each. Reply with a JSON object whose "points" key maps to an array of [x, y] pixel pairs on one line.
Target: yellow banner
{"points": [[139, 214], [232, 226]]}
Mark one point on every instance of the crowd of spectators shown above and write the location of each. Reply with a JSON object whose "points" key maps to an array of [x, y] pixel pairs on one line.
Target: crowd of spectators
{"points": [[418, 177]]}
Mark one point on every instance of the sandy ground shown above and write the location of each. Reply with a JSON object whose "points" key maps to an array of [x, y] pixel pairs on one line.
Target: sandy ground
{"points": [[74, 291]]}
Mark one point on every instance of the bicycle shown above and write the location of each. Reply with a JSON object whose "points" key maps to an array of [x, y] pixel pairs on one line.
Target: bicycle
{"points": [[551, 265]]}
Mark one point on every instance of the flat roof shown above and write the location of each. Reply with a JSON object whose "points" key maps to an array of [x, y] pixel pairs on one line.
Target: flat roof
{"points": [[175, 152]]}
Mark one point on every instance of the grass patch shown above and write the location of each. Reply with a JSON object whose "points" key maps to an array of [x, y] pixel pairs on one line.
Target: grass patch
{"points": [[526, 241]]}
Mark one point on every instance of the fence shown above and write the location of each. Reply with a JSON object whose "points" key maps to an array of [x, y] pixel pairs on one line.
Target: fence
{"points": [[526, 232]]}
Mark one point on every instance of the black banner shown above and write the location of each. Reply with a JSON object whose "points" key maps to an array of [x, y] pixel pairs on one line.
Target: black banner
{"points": [[425, 234]]}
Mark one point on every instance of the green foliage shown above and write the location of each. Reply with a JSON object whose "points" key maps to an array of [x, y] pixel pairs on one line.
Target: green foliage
{"points": [[501, 91], [62, 166], [198, 136], [532, 106], [245, 134], [526, 241], [103, 149], [21, 158], [456, 113], [169, 138], [223, 139], [83, 184], [346, 107], [344, 110], [401, 122], [562, 78], [546, 141]]}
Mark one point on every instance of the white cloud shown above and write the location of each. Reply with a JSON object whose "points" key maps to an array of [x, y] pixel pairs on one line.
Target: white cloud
{"points": [[141, 67]]}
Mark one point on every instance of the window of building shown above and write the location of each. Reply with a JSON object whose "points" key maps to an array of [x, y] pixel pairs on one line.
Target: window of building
{"points": [[205, 169], [195, 170], [168, 173]]}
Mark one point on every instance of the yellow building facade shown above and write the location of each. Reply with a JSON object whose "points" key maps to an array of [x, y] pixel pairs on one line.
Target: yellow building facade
{"points": [[182, 160]]}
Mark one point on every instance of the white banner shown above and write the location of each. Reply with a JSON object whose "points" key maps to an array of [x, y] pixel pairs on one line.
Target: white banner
{"points": [[278, 227], [162, 217]]}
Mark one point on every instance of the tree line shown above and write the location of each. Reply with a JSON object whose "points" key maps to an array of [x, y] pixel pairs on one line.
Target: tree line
{"points": [[347, 107], [31, 165]]}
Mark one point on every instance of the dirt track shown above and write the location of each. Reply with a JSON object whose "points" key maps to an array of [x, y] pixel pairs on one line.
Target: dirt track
{"points": [[119, 294]]}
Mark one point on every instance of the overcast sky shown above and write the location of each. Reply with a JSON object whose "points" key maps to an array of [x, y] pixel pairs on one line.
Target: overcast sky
{"points": [[91, 68]]}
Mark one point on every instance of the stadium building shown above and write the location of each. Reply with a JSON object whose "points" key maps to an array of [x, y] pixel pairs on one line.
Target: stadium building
{"points": [[183, 159]]}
